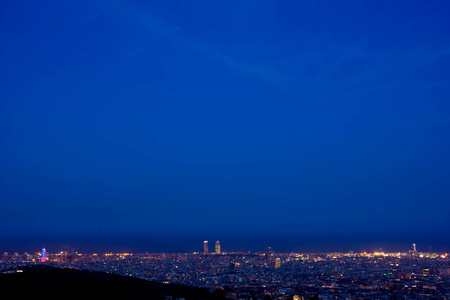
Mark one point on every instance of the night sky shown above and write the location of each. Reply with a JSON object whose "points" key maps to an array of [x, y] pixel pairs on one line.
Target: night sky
{"points": [[221, 119]]}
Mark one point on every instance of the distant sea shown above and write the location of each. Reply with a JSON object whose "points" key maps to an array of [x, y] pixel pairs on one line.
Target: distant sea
{"points": [[229, 243]]}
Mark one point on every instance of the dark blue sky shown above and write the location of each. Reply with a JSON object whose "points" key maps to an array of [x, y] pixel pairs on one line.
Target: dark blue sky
{"points": [[238, 117]]}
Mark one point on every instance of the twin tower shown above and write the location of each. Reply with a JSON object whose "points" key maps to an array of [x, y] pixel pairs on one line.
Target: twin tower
{"points": [[206, 248]]}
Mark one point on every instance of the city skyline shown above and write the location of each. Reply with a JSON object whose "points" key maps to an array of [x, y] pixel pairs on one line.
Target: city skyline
{"points": [[183, 245], [238, 275], [291, 124], [412, 252]]}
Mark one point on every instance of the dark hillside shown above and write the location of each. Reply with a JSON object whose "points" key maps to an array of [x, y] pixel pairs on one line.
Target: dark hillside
{"points": [[42, 282]]}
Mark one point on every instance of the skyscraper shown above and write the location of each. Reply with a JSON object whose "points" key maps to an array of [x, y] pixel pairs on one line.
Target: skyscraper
{"points": [[44, 255], [217, 247], [205, 247], [277, 263], [413, 251]]}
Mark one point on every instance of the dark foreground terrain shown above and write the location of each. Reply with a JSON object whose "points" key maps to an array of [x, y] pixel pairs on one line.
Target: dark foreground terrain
{"points": [[42, 282]]}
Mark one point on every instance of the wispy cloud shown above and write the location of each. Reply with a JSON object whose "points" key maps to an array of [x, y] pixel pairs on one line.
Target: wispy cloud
{"points": [[86, 18], [159, 28], [358, 68], [327, 66]]}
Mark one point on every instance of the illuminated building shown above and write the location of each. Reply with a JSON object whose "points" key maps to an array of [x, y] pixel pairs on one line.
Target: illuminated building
{"points": [[277, 263], [413, 251], [205, 247], [217, 247], [269, 253], [44, 255]]}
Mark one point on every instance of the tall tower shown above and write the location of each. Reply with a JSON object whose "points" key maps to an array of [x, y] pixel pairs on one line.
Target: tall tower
{"points": [[413, 248], [217, 247], [277, 263], [44, 255], [205, 247]]}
